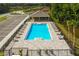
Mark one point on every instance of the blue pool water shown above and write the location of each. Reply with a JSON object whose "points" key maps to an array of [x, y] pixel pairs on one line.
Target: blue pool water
{"points": [[38, 31]]}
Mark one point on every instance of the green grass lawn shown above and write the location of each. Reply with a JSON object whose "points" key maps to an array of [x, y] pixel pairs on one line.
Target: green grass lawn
{"points": [[2, 18]]}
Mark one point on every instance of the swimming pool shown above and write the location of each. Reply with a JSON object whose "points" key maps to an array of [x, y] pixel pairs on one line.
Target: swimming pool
{"points": [[38, 31]]}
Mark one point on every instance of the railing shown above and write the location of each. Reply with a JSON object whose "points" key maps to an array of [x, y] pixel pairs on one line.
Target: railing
{"points": [[39, 52]]}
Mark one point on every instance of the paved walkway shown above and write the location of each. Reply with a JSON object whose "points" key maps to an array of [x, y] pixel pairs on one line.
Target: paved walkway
{"points": [[8, 25]]}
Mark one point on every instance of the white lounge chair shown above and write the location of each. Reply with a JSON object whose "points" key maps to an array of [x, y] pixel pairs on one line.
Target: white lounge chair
{"points": [[61, 37]]}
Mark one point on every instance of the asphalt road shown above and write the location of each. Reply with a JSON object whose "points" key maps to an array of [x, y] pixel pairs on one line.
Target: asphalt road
{"points": [[8, 25]]}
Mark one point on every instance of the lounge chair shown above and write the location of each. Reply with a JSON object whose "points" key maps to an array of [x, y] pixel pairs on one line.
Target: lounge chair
{"points": [[61, 37]]}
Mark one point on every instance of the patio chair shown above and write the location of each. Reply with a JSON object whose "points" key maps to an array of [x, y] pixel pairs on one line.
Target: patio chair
{"points": [[61, 37]]}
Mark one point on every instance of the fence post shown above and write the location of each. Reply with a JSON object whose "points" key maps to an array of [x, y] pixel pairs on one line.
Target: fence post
{"points": [[58, 52]]}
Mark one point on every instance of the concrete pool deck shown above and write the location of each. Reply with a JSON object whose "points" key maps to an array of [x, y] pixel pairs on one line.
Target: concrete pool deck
{"points": [[54, 43]]}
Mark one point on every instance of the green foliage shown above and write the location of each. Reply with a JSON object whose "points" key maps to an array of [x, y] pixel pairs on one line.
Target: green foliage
{"points": [[67, 14], [64, 12], [5, 7]]}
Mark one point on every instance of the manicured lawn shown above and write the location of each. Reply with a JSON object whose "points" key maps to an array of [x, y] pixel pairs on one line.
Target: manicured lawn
{"points": [[3, 18]]}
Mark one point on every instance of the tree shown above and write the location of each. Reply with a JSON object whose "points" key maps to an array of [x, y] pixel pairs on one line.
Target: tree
{"points": [[67, 15]]}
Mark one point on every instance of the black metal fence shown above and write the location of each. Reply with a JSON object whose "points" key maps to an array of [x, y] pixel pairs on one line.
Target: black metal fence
{"points": [[40, 52]]}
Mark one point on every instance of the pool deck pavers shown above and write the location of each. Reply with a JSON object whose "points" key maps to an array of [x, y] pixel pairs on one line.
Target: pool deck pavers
{"points": [[54, 43]]}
